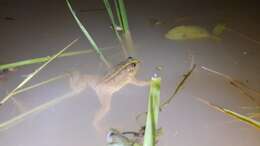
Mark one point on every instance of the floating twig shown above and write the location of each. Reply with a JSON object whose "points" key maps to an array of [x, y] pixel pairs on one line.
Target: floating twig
{"points": [[244, 36], [237, 84], [180, 84]]}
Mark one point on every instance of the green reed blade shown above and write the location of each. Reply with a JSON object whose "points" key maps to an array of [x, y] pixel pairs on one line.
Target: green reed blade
{"points": [[114, 26], [123, 21], [111, 16], [122, 16], [153, 112], [40, 60], [118, 14], [87, 35], [36, 72]]}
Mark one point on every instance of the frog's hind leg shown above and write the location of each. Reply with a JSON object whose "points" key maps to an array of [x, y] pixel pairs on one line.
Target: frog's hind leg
{"points": [[105, 103]]}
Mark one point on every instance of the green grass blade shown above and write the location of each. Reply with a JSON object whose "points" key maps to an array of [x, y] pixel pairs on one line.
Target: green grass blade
{"points": [[233, 114], [87, 35], [111, 16], [35, 72], [153, 112], [40, 60]]}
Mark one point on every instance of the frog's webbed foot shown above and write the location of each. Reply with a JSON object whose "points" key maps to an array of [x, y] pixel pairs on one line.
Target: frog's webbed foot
{"points": [[139, 82], [105, 102], [77, 82]]}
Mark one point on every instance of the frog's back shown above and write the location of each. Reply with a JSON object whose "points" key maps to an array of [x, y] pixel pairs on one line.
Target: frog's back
{"points": [[120, 75]]}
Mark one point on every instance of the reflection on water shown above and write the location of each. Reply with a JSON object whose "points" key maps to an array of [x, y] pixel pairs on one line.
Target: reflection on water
{"points": [[40, 28]]}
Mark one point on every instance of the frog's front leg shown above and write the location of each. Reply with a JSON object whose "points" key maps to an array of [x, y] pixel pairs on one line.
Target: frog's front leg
{"points": [[105, 103], [137, 82]]}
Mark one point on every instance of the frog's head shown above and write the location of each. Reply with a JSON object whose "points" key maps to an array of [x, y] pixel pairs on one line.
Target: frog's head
{"points": [[112, 133], [132, 65]]}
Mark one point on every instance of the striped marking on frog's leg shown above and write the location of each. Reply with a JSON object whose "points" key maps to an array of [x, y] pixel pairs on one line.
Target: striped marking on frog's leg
{"points": [[105, 103]]}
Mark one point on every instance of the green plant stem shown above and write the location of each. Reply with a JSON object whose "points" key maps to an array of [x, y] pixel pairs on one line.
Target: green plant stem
{"points": [[153, 112]]}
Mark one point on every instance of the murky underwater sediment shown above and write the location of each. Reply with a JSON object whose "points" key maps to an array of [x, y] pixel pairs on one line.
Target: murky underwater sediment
{"points": [[41, 28]]}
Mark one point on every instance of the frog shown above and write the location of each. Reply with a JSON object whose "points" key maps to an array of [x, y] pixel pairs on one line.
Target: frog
{"points": [[105, 86], [116, 138], [129, 138]]}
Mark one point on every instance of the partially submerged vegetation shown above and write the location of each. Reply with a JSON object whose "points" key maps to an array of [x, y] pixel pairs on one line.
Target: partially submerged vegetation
{"points": [[123, 34], [193, 32]]}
